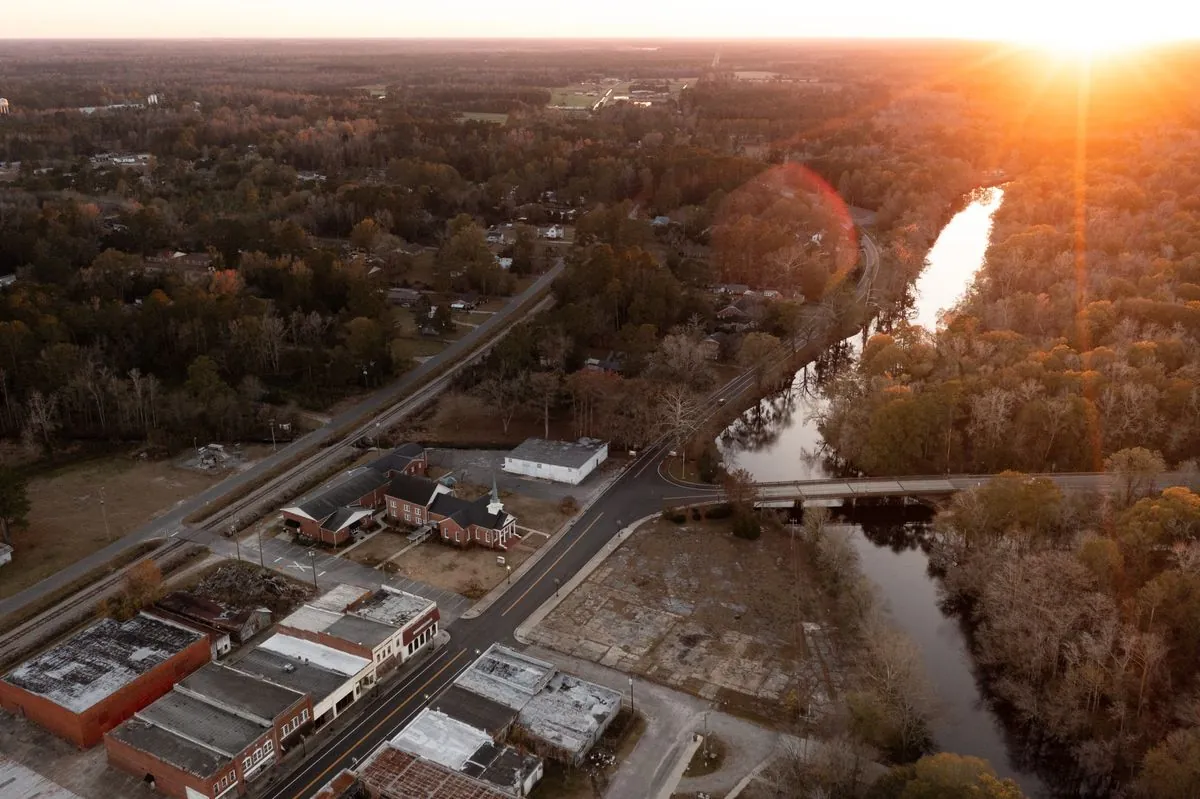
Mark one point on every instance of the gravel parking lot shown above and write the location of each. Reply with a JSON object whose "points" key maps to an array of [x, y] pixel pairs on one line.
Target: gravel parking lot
{"points": [[479, 465]]}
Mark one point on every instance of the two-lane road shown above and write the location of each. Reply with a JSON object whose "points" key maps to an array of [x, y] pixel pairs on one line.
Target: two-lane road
{"points": [[638, 492]]}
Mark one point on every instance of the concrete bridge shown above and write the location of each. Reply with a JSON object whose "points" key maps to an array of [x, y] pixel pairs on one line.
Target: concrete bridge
{"points": [[784, 493], [943, 485]]}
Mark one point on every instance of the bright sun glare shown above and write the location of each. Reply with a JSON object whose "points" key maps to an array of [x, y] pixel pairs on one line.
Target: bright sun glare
{"points": [[1095, 36]]}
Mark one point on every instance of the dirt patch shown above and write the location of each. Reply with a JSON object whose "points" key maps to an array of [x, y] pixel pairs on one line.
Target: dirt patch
{"points": [[468, 572], [67, 521], [690, 606], [708, 758], [380, 547]]}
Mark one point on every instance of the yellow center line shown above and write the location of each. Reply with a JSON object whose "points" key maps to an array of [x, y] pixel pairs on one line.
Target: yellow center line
{"points": [[335, 764], [552, 565]]}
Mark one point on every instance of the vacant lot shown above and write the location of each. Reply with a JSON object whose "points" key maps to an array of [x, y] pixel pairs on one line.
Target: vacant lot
{"points": [[468, 572], [66, 520], [693, 607]]}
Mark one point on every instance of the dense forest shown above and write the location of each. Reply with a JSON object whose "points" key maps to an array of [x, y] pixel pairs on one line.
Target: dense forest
{"points": [[298, 196]]}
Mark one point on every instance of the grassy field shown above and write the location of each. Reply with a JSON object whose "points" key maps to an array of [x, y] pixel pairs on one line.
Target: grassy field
{"points": [[484, 116], [66, 521]]}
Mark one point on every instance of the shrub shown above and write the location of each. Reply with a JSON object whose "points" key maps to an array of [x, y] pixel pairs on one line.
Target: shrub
{"points": [[746, 525], [721, 511], [696, 514], [708, 464], [569, 506], [668, 514], [679, 518]]}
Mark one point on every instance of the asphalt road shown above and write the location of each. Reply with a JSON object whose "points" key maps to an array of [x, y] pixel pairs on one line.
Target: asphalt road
{"points": [[639, 492], [293, 453]]}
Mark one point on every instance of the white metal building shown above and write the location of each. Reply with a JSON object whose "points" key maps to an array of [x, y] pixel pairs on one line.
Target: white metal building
{"points": [[560, 461]]}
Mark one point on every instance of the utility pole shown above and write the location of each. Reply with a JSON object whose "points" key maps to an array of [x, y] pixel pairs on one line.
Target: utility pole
{"points": [[104, 513], [632, 707], [312, 558], [273, 435], [236, 541], [261, 561]]}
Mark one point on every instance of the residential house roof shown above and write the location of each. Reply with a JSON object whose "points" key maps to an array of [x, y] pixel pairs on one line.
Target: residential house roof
{"points": [[572, 454], [100, 660]]}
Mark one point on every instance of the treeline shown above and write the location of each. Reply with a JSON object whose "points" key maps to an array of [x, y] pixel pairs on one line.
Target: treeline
{"points": [[1073, 342], [1085, 614]]}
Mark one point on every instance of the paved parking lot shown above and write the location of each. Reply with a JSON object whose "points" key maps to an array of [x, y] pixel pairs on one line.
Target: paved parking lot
{"points": [[479, 465]]}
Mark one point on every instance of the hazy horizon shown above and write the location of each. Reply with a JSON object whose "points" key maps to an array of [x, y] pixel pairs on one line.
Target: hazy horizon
{"points": [[1019, 20]]}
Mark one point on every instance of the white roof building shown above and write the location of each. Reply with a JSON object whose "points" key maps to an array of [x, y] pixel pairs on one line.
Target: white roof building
{"points": [[559, 461]]}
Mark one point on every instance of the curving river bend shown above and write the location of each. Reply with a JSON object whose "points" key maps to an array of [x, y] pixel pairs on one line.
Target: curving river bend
{"points": [[778, 440]]}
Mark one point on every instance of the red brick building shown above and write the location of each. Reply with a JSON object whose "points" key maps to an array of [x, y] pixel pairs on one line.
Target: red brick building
{"points": [[387, 626], [335, 512], [99, 677], [417, 501], [215, 734]]}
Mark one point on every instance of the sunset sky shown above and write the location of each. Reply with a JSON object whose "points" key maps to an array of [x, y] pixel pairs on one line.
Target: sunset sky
{"points": [[1022, 20]]}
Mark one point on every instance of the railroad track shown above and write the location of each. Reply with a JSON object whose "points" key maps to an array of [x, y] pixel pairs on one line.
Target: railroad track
{"points": [[70, 611], [247, 508]]}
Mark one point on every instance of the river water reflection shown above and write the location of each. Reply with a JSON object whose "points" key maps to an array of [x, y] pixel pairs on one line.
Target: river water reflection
{"points": [[778, 440]]}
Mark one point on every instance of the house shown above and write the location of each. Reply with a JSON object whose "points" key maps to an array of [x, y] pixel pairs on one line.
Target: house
{"points": [[8, 281], [504, 263], [405, 298], [554, 232], [240, 625], [387, 627], [560, 461], [736, 289], [733, 315], [333, 513], [422, 502], [714, 345], [5, 554], [660, 221], [213, 735], [102, 675], [333, 680], [462, 305], [192, 268]]}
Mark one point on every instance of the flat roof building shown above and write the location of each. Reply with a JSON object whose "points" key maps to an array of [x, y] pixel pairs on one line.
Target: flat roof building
{"points": [[97, 678], [386, 626], [567, 717], [331, 678], [456, 745], [392, 773], [560, 461]]}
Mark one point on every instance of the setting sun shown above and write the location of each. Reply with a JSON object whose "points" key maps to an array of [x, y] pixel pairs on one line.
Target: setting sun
{"points": [[1098, 34]]}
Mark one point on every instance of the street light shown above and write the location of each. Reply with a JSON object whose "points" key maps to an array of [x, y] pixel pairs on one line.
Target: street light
{"points": [[273, 435], [509, 570], [632, 707], [312, 558]]}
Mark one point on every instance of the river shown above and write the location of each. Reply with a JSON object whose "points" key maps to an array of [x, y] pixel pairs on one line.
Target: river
{"points": [[778, 440]]}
